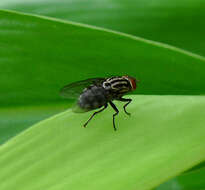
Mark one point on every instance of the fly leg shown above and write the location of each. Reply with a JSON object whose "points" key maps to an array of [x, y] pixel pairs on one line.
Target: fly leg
{"points": [[94, 115], [115, 108], [125, 100]]}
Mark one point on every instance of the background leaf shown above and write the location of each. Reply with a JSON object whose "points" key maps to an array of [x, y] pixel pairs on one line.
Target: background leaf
{"points": [[46, 54], [188, 181], [179, 23], [14, 120], [39, 56]]}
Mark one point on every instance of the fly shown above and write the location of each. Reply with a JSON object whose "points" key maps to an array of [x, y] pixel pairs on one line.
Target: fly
{"points": [[96, 93]]}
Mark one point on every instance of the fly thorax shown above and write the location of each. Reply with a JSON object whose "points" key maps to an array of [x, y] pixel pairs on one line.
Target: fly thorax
{"points": [[106, 85], [117, 85]]}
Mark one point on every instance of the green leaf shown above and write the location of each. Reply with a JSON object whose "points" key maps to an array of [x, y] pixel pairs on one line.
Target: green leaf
{"points": [[188, 181], [15, 119], [39, 55], [198, 167], [31, 47], [179, 23], [164, 136], [192, 179]]}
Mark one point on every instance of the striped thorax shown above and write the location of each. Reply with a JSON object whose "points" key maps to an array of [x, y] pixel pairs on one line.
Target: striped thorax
{"points": [[120, 85]]}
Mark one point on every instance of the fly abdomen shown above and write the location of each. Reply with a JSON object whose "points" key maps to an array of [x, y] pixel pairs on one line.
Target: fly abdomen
{"points": [[92, 98]]}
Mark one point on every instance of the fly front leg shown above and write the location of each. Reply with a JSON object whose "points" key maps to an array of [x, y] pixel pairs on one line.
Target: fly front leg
{"points": [[94, 115], [125, 100], [117, 111]]}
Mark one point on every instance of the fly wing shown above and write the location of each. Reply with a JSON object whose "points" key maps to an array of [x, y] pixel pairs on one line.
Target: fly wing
{"points": [[73, 90]]}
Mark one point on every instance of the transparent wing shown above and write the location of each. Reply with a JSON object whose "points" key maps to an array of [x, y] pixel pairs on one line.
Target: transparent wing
{"points": [[73, 90]]}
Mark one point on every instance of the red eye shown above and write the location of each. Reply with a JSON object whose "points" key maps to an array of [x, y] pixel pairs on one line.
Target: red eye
{"points": [[133, 82]]}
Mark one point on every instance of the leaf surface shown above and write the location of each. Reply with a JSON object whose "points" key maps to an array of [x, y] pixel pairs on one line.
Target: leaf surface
{"points": [[179, 23], [164, 136]]}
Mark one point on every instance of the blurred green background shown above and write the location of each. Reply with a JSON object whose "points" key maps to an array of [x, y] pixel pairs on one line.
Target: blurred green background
{"points": [[175, 22]]}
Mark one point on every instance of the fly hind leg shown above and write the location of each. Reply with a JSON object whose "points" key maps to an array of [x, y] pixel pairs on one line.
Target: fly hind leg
{"points": [[94, 115]]}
